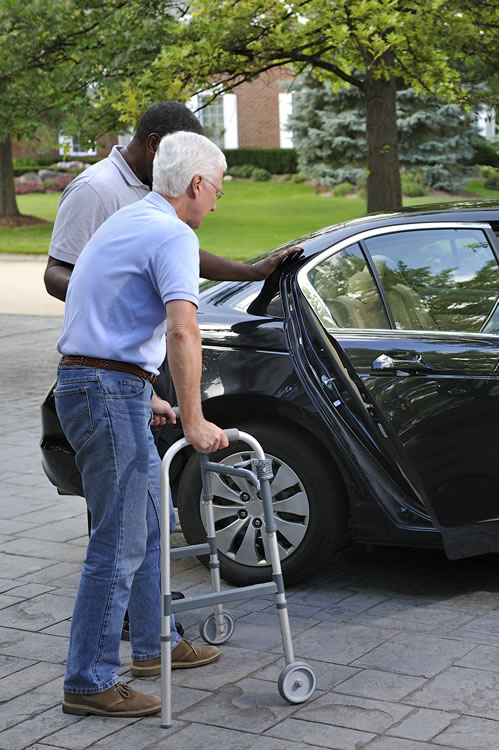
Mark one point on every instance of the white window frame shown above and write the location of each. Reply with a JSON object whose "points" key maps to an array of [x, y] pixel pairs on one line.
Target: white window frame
{"points": [[69, 139]]}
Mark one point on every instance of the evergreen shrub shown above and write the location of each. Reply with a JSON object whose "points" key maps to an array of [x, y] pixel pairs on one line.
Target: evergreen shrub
{"points": [[241, 170], [275, 160], [260, 175], [412, 189], [492, 183], [412, 184], [486, 153], [344, 188]]}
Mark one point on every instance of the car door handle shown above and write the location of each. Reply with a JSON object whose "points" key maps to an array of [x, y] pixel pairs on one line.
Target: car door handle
{"points": [[388, 364]]}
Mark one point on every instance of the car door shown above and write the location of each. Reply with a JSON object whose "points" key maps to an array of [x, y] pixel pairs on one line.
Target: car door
{"points": [[410, 313]]}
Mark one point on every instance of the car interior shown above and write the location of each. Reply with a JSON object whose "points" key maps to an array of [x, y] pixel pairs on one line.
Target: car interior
{"points": [[432, 279]]}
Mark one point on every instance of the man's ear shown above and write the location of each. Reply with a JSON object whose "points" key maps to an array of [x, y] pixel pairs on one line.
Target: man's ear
{"points": [[152, 143], [196, 184]]}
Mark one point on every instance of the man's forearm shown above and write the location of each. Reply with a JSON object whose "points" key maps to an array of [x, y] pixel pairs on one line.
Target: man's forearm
{"points": [[56, 278], [222, 269], [184, 361]]}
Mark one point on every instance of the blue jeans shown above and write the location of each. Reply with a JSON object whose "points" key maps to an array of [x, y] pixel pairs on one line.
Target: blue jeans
{"points": [[106, 417]]}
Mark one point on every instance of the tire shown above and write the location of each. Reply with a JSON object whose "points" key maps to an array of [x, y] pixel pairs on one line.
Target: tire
{"points": [[309, 507]]}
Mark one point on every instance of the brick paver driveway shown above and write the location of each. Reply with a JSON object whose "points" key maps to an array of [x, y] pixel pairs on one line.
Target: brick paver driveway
{"points": [[405, 644]]}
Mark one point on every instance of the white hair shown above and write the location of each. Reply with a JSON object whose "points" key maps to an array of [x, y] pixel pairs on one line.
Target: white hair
{"points": [[179, 157]]}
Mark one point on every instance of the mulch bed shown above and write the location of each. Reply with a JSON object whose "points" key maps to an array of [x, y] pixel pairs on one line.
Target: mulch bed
{"points": [[9, 222]]}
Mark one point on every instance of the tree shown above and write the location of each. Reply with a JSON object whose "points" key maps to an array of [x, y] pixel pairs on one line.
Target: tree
{"points": [[329, 129], [370, 44], [436, 139], [75, 58]]}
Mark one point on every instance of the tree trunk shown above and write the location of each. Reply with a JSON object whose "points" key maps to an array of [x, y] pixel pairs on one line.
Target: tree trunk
{"points": [[384, 190], [8, 204]]}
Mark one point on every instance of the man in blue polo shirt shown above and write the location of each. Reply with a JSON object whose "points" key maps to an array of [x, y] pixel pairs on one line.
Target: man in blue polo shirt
{"points": [[136, 279]]}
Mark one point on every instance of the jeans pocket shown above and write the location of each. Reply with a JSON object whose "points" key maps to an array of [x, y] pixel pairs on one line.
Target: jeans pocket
{"points": [[73, 409], [132, 386]]}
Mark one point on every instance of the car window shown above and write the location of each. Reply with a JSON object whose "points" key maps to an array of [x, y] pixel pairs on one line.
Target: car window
{"points": [[438, 279], [347, 288]]}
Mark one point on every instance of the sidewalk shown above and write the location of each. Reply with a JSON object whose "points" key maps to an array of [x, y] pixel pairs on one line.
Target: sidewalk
{"points": [[22, 291], [405, 644]]}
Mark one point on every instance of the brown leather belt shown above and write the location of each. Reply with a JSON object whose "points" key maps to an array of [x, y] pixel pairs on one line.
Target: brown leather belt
{"points": [[107, 364]]}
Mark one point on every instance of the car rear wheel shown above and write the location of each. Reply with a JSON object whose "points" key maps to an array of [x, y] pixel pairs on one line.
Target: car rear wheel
{"points": [[308, 499]]}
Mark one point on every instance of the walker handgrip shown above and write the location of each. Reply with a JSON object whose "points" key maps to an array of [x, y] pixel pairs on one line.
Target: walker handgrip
{"points": [[232, 434]]}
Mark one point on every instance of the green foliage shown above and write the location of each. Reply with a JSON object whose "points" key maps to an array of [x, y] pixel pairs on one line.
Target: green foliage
{"points": [[329, 132], [97, 65], [412, 189], [486, 153], [435, 138], [248, 170], [244, 38], [253, 217], [486, 171], [275, 160], [30, 164], [73, 60], [429, 45], [344, 188], [260, 175], [241, 170], [492, 183]]}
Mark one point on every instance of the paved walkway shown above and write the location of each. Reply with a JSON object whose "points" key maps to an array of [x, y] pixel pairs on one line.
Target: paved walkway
{"points": [[405, 644], [22, 291]]}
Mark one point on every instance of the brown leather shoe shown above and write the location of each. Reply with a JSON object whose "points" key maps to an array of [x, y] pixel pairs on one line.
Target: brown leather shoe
{"points": [[184, 656], [119, 700]]}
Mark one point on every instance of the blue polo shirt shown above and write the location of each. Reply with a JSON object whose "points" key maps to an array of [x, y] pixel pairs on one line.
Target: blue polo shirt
{"points": [[139, 259]]}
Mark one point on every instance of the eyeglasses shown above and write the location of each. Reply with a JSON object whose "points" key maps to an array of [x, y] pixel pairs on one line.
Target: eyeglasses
{"points": [[219, 193]]}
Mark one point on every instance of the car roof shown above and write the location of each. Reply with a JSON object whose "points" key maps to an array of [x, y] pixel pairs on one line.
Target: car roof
{"points": [[472, 211]]}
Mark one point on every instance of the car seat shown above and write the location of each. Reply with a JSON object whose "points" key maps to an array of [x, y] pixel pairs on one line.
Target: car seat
{"points": [[408, 308]]}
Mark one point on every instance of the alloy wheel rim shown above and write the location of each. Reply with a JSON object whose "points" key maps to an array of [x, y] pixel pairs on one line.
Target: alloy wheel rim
{"points": [[238, 513]]}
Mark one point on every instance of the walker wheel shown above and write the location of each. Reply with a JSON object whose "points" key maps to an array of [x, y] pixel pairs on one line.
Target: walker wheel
{"points": [[296, 682], [208, 629]]}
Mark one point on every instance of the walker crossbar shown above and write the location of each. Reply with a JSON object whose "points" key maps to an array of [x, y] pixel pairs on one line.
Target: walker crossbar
{"points": [[192, 551], [222, 597]]}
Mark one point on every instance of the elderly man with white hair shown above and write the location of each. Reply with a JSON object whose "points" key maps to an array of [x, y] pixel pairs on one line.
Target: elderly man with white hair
{"points": [[137, 277]]}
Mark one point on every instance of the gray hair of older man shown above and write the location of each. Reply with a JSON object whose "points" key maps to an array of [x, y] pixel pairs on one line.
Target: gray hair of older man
{"points": [[179, 157]]}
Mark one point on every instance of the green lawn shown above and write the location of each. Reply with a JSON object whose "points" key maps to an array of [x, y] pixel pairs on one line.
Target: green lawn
{"points": [[477, 187], [251, 218]]}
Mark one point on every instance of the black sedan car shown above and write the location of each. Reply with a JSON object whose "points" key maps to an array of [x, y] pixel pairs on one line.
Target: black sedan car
{"points": [[368, 368]]}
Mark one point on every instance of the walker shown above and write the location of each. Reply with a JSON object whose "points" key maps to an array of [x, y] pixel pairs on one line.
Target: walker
{"points": [[297, 681]]}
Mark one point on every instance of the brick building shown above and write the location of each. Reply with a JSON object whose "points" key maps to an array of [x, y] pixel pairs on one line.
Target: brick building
{"points": [[253, 116]]}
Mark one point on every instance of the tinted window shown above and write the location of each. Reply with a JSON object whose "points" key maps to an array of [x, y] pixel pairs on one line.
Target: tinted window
{"points": [[439, 279], [347, 288]]}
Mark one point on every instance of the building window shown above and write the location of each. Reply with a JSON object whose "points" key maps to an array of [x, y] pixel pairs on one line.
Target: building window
{"points": [[219, 118], [69, 145], [212, 119], [486, 122]]}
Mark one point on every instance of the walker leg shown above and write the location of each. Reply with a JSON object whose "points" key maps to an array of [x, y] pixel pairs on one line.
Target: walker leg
{"points": [[166, 598], [218, 618], [264, 474]]}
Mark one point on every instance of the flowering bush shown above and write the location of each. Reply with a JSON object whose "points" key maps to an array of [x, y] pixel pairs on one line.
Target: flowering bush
{"points": [[50, 185], [30, 186], [57, 184], [71, 164]]}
